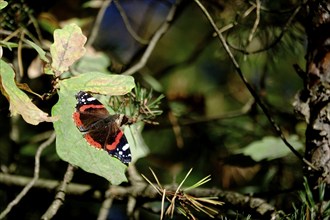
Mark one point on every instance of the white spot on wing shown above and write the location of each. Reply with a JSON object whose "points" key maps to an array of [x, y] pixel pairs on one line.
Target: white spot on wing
{"points": [[125, 147], [91, 99]]}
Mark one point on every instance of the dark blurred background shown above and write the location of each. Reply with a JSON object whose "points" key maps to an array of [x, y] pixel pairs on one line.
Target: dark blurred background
{"points": [[210, 121]]}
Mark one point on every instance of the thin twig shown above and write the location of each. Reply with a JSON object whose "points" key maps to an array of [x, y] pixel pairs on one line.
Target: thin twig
{"points": [[250, 88], [35, 24], [128, 24], [19, 55], [12, 35], [233, 114], [26, 189], [248, 11], [275, 11], [256, 22], [163, 205], [60, 195], [176, 129], [98, 20], [154, 40]]}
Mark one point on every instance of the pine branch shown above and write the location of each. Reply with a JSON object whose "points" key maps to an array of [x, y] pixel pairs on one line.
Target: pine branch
{"points": [[141, 190]]}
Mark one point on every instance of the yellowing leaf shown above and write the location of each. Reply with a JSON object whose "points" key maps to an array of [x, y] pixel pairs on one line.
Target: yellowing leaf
{"points": [[67, 48], [107, 84], [19, 102]]}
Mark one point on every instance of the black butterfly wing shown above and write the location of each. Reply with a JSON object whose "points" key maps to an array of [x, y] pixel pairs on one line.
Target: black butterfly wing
{"points": [[88, 111], [112, 138]]}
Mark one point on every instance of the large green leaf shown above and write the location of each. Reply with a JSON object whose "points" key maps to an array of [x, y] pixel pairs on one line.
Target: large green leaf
{"points": [[270, 148], [70, 144], [19, 102]]}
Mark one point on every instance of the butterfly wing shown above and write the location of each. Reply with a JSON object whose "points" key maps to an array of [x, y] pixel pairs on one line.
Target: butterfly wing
{"points": [[114, 141], [101, 129], [88, 111]]}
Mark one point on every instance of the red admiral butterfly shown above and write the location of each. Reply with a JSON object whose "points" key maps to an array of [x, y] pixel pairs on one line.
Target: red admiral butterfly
{"points": [[100, 129]]}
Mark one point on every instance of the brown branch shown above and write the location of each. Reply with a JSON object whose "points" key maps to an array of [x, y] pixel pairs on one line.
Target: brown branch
{"points": [[140, 189], [255, 206], [134, 178], [133, 175], [31, 183], [154, 40], [60, 195], [104, 210], [49, 185]]}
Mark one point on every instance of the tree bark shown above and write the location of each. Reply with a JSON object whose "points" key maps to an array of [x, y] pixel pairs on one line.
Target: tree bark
{"points": [[314, 98]]}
